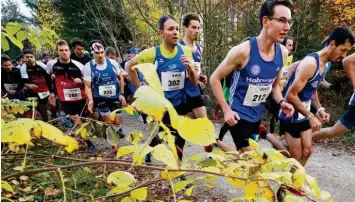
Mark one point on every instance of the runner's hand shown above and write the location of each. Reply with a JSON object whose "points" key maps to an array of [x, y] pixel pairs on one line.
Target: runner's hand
{"points": [[287, 108], [123, 100], [231, 117], [90, 106], [51, 100], [187, 63], [78, 81], [203, 78], [53, 76], [12, 92], [32, 86], [314, 123], [324, 116]]}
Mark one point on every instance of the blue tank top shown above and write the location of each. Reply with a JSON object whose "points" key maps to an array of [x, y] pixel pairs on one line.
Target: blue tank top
{"points": [[104, 82], [252, 85], [306, 93], [192, 90], [171, 73]]}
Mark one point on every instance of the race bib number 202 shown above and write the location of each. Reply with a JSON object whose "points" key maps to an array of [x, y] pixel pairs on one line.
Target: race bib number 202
{"points": [[256, 95]]}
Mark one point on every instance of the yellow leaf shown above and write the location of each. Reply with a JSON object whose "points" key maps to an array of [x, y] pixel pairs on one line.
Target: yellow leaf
{"points": [[267, 193], [189, 190], [128, 199], [151, 103], [325, 196], [184, 200], [163, 154], [211, 169], [313, 184], [172, 174], [182, 184], [141, 152], [299, 177], [5, 185], [37, 131], [121, 178], [2, 123], [17, 131], [198, 131], [55, 135], [81, 128], [140, 193], [242, 198], [118, 189], [151, 77], [251, 189], [235, 182], [291, 198], [170, 139], [253, 144], [129, 109], [262, 200], [126, 150], [134, 137], [14, 147]]}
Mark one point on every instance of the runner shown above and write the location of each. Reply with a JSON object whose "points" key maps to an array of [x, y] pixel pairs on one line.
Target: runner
{"points": [[67, 75], [11, 81], [301, 91], [38, 83], [45, 58], [103, 88], [257, 63], [21, 61], [347, 121], [194, 99], [170, 59], [79, 51]]}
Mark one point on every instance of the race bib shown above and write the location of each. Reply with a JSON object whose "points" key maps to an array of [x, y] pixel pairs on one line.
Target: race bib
{"points": [[10, 86], [308, 106], [43, 95], [107, 91], [72, 94], [173, 80], [256, 95]]}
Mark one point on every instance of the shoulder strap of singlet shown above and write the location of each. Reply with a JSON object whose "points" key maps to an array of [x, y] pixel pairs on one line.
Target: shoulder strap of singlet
{"points": [[182, 42], [316, 57]]}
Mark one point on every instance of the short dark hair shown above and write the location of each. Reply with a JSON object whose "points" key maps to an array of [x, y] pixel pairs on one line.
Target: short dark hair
{"points": [[163, 19], [340, 35], [109, 49], [77, 42], [187, 18], [268, 8], [143, 47], [27, 51], [4, 58], [61, 43], [285, 40]]}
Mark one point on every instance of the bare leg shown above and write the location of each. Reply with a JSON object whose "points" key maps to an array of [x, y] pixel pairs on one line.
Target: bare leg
{"points": [[225, 147], [331, 132], [306, 138], [294, 145]]}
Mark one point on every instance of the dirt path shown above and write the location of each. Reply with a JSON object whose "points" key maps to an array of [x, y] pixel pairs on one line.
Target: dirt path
{"points": [[335, 170]]}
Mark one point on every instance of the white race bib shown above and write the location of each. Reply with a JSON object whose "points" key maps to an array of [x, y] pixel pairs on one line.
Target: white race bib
{"points": [[256, 95], [10, 86], [107, 91], [43, 95], [173, 80], [308, 106], [72, 94]]}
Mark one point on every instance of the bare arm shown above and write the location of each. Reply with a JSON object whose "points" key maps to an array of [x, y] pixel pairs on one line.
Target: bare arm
{"points": [[349, 67], [88, 90], [133, 73], [276, 92], [315, 100], [120, 78]]}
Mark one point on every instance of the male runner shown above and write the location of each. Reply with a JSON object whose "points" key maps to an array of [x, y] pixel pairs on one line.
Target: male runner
{"points": [[257, 63], [194, 99], [347, 121], [104, 86], [38, 83], [171, 59], [300, 89], [79, 51], [11, 81]]}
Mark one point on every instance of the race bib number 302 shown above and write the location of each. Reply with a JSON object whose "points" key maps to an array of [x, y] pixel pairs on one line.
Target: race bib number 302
{"points": [[107, 91], [256, 95], [72, 94], [173, 80]]}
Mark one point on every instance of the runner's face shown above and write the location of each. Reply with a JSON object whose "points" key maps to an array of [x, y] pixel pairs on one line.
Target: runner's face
{"points": [[99, 57], [30, 59], [339, 52], [63, 52], [289, 45], [79, 51], [193, 30], [278, 25], [112, 56], [170, 34], [7, 66]]}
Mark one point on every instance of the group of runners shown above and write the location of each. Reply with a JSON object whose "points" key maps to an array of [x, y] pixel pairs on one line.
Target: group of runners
{"points": [[257, 71]]}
